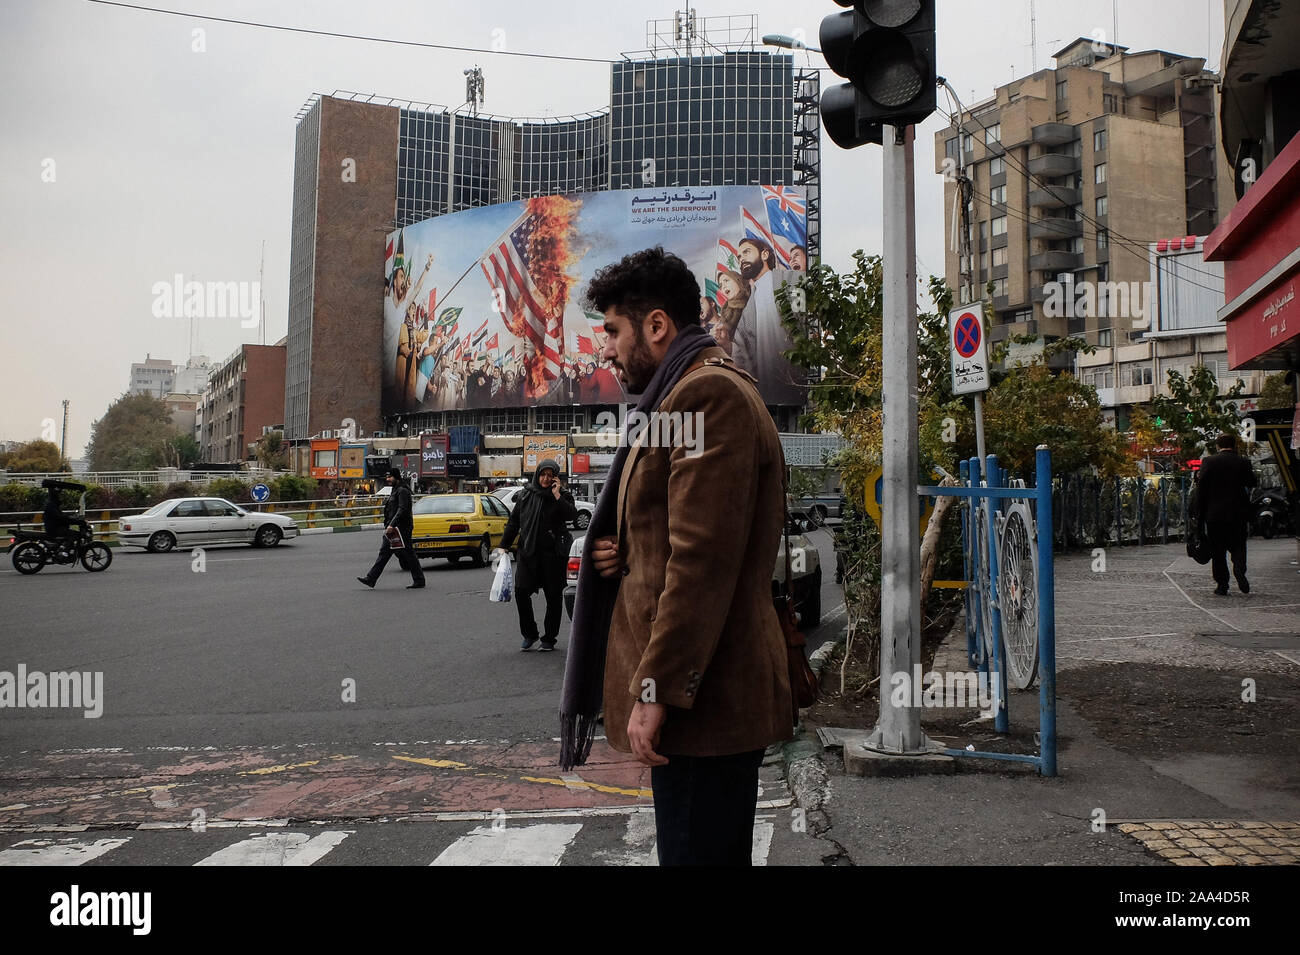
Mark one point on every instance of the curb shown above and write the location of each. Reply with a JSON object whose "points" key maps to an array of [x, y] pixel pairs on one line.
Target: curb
{"points": [[304, 531], [801, 757]]}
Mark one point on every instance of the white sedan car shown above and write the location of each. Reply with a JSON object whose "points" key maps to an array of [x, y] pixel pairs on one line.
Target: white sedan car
{"points": [[188, 521]]}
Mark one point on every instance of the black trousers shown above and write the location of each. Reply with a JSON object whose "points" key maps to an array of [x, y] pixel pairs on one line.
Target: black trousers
{"points": [[405, 558], [547, 574], [1227, 538], [704, 808]]}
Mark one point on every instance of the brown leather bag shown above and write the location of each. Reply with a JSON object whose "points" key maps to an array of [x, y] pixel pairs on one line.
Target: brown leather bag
{"points": [[803, 681]]}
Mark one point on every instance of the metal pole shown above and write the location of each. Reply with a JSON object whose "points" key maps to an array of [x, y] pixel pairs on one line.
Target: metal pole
{"points": [[997, 671], [979, 429], [898, 731], [1046, 618], [63, 441]]}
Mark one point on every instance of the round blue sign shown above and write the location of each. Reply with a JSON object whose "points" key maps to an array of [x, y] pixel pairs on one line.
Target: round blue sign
{"points": [[261, 492], [966, 335]]}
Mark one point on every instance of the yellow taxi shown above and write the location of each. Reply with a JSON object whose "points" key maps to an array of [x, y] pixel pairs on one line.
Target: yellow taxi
{"points": [[458, 525]]}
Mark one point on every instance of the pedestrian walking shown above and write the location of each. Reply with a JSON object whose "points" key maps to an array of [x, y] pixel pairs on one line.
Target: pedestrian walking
{"points": [[674, 618], [397, 515], [1223, 486], [540, 520]]}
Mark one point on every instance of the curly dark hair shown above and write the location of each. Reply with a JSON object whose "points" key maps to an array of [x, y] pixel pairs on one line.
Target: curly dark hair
{"points": [[644, 281]]}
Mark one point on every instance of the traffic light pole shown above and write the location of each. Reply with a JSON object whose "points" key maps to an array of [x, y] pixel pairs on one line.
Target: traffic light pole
{"points": [[898, 731]]}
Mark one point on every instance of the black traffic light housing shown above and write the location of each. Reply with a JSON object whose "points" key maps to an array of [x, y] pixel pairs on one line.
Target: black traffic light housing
{"points": [[886, 50]]}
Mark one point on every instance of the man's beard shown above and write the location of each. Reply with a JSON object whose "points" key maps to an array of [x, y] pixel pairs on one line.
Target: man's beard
{"points": [[751, 270], [640, 366]]}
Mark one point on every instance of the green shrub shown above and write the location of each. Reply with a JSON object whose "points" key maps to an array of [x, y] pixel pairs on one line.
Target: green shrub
{"points": [[232, 489], [290, 487], [21, 497]]}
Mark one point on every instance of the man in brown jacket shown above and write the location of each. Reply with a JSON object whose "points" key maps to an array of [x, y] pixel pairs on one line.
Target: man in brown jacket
{"points": [[695, 681]]}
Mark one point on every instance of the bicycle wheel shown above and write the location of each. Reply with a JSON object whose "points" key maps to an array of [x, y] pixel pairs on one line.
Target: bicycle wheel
{"points": [[1018, 595]]}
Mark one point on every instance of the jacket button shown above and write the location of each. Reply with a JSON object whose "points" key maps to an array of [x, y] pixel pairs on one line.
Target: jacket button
{"points": [[626, 570], [689, 692]]}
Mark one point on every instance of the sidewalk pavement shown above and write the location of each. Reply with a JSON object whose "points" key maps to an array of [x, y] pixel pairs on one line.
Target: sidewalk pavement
{"points": [[1156, 730]]}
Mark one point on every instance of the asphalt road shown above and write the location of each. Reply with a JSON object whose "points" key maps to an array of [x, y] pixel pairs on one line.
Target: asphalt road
{"points": [[223, 710], [255, 650]]}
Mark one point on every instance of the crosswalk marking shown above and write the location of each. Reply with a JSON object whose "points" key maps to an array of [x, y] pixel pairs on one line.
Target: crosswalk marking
{"points": [[277, 848], [519, 845], [57, 851]]}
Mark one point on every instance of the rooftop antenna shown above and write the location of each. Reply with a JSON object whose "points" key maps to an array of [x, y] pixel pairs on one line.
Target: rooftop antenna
{"points": [[1033, 37], [261, 297], [473, 89]]}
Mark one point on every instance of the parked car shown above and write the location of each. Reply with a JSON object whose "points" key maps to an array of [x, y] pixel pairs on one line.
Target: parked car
{"points": [[458, 525], [189, 521], [507, 496], [820, 507], [805, 576]]}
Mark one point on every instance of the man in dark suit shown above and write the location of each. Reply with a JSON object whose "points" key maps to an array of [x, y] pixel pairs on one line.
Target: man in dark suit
{"points": [[695, 678], [397, 514], [1223, 503]]}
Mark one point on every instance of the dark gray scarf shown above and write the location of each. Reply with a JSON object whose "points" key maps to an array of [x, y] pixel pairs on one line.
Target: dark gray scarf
{"points": [[584, 671]]}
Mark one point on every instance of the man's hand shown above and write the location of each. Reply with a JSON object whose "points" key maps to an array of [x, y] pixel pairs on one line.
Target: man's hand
{"points": [[643, 732], [606, 558]]}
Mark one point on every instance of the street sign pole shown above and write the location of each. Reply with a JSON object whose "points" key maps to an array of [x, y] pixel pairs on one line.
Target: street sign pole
{"points": [[979, 432], [898, 731]]}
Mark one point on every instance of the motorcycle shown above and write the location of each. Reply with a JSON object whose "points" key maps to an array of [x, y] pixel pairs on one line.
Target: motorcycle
{"points": [[1270, 512], [31, 550]]}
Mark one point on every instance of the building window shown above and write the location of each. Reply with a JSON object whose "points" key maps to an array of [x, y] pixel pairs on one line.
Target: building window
{"points": [[1100, 173], [984, 232], [999, 195], [1136, 374], [1000, 226], [1103, 239], [999, 288], [1102, 206], [999, 257], [1061, 89], [1109, 102], [967, 142], [1105, 338], [993, 134], [997, 166], [950, 148], [1099, 140]]}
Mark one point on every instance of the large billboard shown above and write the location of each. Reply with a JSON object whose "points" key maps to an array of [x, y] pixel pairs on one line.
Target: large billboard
{"points": [[482, 306]]}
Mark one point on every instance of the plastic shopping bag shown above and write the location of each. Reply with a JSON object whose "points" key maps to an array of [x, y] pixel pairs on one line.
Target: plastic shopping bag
{"points": [[503, 582]]}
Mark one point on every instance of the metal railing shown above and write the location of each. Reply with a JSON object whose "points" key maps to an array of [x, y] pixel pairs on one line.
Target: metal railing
{"points": [[352, 512], [156, 476], [1090, 511]]}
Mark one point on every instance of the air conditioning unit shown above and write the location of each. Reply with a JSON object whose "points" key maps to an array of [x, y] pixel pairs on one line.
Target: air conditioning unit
{"points": [[326, 434]]}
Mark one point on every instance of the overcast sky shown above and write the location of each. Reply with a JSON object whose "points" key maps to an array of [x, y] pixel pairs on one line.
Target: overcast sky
{"points": [[167, 160]]}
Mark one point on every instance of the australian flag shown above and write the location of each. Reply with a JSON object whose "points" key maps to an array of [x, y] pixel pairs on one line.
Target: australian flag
{"points": [[787, 214]]}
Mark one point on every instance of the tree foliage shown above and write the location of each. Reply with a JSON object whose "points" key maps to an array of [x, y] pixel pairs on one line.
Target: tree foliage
{"points": [[34, 457], [271, 452], [136, 434], [1276, 393], [1195, 411]]}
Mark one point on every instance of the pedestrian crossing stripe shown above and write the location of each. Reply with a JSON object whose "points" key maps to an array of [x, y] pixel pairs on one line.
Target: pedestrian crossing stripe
{"points": [[534, 844]]}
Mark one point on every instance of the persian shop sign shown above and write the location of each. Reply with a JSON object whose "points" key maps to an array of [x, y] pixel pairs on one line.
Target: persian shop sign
{"points": [[433, 454]]}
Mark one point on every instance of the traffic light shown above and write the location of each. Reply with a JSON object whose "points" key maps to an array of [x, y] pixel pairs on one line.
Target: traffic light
{"points": [[885, 49]]}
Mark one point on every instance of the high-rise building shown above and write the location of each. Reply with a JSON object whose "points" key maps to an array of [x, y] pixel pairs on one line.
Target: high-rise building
{"points": [[737, 115], [1068, 176]]}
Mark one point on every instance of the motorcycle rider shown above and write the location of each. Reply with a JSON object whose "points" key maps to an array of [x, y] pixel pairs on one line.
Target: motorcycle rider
{"points": [[58, 526]]}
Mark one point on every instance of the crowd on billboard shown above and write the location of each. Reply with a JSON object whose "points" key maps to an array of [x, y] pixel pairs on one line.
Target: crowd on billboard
{"points": [[508, 332]]}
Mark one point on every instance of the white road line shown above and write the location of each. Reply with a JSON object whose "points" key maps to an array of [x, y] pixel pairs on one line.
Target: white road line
{"points": [[57, 852], [519, 845], [1136, 636], [762, 842], [1285, 657], [1198, 606], [277, 848]]}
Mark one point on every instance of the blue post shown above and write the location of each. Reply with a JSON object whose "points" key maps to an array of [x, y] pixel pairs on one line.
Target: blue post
{"points": [[977, 561], [996, 669], [1046, 618], [963, 470]]}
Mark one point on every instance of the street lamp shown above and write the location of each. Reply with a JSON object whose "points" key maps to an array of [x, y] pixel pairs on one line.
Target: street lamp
{"points": [[787, 42]]}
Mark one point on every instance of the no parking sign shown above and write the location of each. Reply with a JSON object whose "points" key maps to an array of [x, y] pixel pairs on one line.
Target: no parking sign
{"points": [[968, 349]]}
